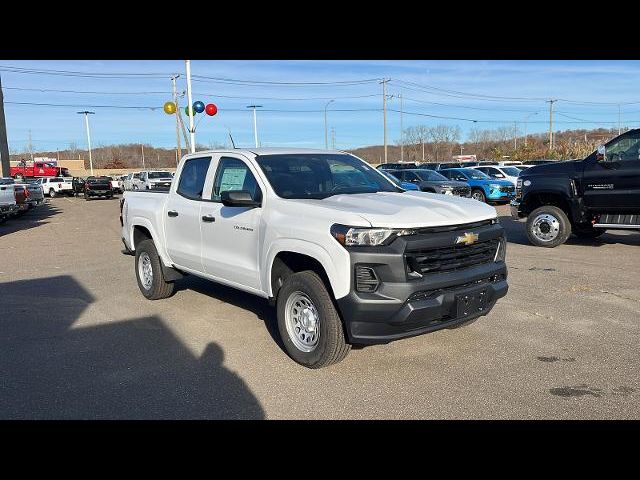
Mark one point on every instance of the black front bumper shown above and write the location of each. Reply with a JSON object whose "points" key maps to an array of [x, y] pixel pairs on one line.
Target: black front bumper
{"points": [[516, 211], [406, 305]]}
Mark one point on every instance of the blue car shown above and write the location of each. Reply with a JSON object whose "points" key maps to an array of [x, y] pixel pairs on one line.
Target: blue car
{"points": [[483, 187], [405, 185]]}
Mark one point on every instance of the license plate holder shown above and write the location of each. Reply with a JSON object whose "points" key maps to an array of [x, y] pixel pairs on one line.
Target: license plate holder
{"points": [[471, 302]]}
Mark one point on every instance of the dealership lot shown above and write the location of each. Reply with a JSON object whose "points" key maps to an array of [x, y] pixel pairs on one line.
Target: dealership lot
{"points": [[78, 340]]}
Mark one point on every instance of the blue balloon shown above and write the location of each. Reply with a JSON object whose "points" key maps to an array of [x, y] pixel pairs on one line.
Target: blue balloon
{"points": [[198, 107]]}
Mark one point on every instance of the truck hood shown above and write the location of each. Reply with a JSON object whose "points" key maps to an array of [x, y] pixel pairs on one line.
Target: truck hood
{"points": [[410, 209], [559, 168]]}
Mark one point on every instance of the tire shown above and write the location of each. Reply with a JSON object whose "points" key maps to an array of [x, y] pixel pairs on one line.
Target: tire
{"points": [[19, 176], [478, 194], [52, 193], [556, 231], [587, 231], [87, 197], [157, 286], [307, 289]]}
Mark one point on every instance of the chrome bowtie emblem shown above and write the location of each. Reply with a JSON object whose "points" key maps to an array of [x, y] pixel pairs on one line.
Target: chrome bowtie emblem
{"points": [[467, 238]]}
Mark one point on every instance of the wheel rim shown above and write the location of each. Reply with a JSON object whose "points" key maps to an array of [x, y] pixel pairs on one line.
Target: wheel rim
{"points": [[302, 321], [145, 271], [52, 193], [477, 196], [545, 227]]}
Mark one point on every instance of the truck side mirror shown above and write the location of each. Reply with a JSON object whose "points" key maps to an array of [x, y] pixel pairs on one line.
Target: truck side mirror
{"points": [[601, 154], [238, 198]]}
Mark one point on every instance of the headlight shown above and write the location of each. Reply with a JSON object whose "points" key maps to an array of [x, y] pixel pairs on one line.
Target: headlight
{"points": [[366, 237], [494, 186], [501, 252], [446, 187]]}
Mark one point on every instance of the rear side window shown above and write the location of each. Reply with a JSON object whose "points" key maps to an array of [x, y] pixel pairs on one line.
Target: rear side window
{"points": [[233, 174], [192, 178]]}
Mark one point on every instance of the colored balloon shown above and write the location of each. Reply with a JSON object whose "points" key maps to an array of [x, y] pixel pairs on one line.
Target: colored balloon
{"points": [[198, 107], [186, 110], [211, 109], [169, 108]]}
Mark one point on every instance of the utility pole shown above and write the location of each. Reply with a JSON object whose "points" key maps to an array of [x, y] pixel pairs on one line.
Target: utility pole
{"points": [[401, 131], [333, 138], [619, 119], [551, 102], [86, 119], [326, 140], [423, 151], [5, 165], [58, 155], [515, 135], [30, 146], [142, 146], [384, 114], [191, 112], [255, 122], [175, 100], [525, 126]]}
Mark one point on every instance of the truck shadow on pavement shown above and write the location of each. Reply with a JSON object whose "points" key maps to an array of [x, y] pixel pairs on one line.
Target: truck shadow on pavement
{"points": [[30, 219], [516, 233], [259, 306], [129, 369]]}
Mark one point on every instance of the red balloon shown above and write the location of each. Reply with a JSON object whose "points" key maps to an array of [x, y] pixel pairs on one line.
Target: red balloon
{"points": [[211, 109]]}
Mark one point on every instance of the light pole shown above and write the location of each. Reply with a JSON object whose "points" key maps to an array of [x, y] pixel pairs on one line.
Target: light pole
{"points": [[190, 108], [525, 126], [86, 119], [461, 148], [255, 122], [326, 138]]}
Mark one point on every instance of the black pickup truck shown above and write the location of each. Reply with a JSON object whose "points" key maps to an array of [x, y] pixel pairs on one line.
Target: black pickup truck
{"points": [[97, 187], [583, 197]]}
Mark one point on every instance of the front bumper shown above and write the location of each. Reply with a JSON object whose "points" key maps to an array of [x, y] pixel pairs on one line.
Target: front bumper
{"points": [[516, 212], [405, 305], [498, 196]]}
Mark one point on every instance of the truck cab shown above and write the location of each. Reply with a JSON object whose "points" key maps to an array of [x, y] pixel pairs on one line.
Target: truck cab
{"points": [[582, 197]]}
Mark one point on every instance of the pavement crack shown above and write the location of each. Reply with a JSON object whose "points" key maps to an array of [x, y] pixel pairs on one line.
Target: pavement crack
{"points": [[620, 296]]}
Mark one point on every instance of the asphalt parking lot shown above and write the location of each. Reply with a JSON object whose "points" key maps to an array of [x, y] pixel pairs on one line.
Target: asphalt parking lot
{"points": [[78, 340]]}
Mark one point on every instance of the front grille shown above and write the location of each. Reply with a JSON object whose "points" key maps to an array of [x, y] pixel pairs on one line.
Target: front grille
{"points": [[462, 191], [427, 294], [452, 258], [507, 189]]}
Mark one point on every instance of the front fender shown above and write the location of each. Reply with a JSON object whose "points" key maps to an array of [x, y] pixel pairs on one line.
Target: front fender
{"points": [[155, 236], [335, 262]]}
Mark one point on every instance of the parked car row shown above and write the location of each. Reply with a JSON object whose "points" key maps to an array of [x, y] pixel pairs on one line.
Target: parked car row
{"points": [[148, 180], [17, 197]]}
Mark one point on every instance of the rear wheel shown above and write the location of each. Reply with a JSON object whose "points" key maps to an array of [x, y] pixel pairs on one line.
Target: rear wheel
{"points": [[149, 272], [479, 195], [19, 176], [548, 226], [52, 193], [309, 324]]}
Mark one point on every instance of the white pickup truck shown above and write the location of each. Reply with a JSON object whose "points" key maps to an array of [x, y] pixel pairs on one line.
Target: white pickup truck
{"points": [[8, 205], [346, 256], [54, 186], [154, 179]]}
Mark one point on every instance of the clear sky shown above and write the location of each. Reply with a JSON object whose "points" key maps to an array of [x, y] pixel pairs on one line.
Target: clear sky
{"points": [[294, 94]]}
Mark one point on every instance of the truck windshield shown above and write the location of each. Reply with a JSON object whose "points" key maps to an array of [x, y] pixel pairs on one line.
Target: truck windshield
{"points": [[320, 176], [431, 176], [159, 174]]}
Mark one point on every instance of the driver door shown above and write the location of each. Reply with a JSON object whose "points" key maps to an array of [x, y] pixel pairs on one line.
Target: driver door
{"points": [[614, 185]]}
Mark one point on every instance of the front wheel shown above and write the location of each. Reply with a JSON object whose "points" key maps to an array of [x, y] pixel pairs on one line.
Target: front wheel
{"points": [[149, 272], [309, 324], [479, 195], [548, 226]]}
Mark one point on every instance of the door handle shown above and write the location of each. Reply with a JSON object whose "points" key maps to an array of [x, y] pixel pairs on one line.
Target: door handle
{"points": [[172, 213], [208, 219]]}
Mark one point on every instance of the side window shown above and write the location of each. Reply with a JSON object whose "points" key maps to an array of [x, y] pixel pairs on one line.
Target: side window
{"points": [[411, 177], [234, 174], [192, 178], [625, 149]]}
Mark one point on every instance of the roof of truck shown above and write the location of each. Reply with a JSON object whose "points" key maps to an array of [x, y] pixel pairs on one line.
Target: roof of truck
{"points": [[269, 151]]}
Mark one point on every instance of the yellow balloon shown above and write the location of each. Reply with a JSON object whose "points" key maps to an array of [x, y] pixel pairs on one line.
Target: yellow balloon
{"points": [[169, 108]]}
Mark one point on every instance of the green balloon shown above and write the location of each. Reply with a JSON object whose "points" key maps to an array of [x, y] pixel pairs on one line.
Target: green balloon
{"points": [[186, 110]]}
